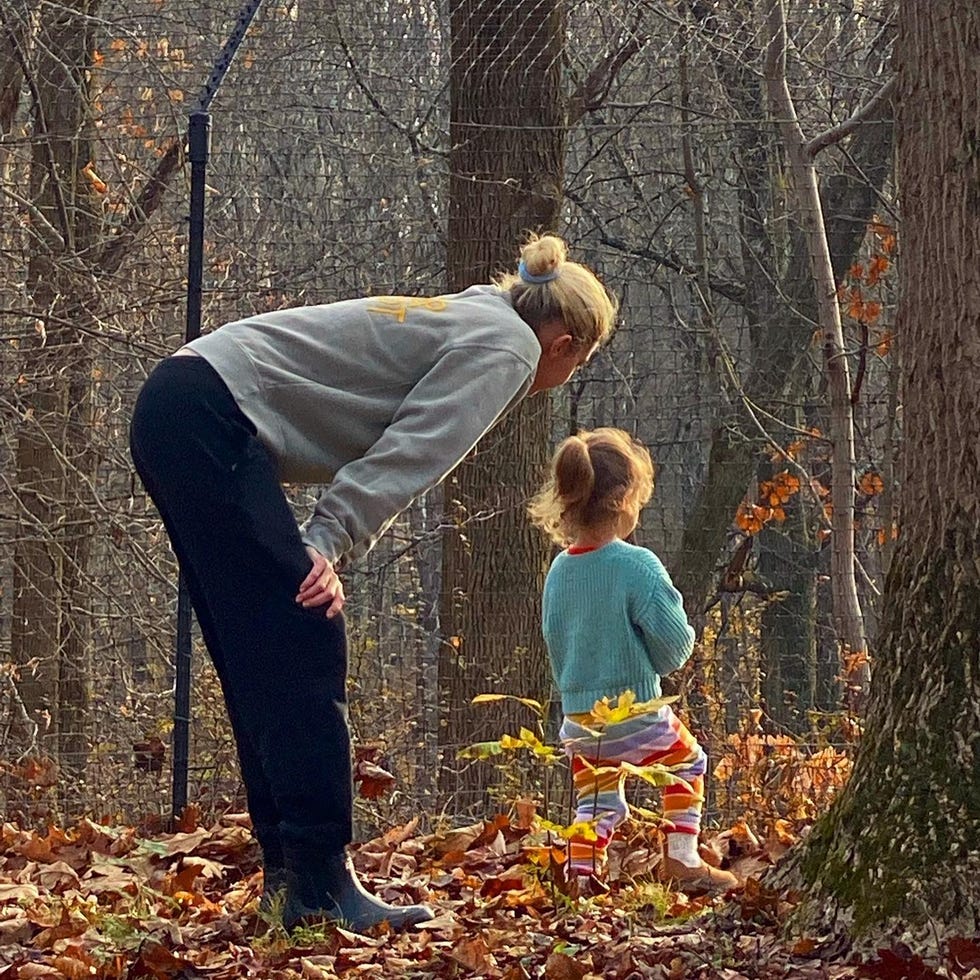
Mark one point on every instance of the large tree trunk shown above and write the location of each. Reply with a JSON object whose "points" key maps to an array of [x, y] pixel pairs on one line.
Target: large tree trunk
{"points": [[506, 166], [902, 844]]}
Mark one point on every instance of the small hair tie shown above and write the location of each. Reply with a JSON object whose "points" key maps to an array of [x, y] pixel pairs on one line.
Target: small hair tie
{"points": [[531, 277]]}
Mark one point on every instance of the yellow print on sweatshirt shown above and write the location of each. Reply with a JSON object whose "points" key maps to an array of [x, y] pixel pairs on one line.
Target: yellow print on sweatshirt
{"points": [[398, 306]]}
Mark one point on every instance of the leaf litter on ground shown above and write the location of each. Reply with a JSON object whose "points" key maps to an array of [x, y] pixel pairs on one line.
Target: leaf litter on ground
{"points": [[102, 902]]}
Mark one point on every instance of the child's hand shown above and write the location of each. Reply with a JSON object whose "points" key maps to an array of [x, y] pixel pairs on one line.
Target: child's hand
{"points": [[321, 586]]}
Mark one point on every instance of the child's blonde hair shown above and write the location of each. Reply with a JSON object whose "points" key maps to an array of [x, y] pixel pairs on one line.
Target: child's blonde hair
{"points": [[599, 481], [566, 291]]}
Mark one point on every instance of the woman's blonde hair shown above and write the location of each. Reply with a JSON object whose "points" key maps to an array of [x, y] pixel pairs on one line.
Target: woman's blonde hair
{"points": [[599, 481], [549, 287]]}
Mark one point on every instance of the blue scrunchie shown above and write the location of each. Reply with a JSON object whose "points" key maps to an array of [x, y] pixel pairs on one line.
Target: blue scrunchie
{"points": [[531, 277]]}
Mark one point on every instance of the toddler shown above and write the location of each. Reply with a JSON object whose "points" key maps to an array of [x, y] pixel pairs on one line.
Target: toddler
{"points": [[613, 622]]}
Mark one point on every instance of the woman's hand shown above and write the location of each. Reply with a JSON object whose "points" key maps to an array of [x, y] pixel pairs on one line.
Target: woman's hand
{"points": [[321, 586]]}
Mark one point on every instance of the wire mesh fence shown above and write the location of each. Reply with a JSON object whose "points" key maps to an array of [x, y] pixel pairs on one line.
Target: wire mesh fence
{"points": [[334, 141]]}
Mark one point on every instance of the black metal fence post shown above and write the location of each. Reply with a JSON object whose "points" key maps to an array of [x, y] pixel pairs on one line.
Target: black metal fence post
{"points": [[198, 151]]}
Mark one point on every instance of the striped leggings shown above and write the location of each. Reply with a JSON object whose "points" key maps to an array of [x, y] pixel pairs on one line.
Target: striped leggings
{"points": [[658, 736]]}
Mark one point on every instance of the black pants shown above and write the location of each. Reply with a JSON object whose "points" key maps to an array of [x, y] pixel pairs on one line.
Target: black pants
{"points": [[283, 669]]}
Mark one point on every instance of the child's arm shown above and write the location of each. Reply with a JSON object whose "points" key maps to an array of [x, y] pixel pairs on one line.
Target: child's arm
{"points": [[661, 619]]}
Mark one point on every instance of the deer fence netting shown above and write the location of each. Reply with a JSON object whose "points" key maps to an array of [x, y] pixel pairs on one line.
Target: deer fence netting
{"points": [[330, 176]]}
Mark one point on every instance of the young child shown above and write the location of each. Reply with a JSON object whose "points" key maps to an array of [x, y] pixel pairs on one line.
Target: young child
{"points": [[613, 622]]}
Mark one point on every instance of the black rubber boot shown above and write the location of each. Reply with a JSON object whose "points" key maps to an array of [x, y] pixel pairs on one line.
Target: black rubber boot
{"points": [[273, 874], [329, 889], [273, 889]]}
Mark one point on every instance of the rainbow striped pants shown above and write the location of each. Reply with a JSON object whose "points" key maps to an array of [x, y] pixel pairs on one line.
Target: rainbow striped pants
{"points": [[655, 737]]}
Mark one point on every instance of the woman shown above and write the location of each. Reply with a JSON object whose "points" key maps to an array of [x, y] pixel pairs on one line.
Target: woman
{"points": [[379, 399]]}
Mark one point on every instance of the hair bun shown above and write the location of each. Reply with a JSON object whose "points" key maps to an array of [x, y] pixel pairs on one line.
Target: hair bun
{"points": [[541, 258]]}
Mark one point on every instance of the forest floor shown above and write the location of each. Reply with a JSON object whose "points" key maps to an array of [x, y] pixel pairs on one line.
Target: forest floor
{"points": [[111, 903]]}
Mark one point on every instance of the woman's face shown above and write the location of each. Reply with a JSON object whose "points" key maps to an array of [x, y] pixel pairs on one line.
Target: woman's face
{"points": [[561, 357]]}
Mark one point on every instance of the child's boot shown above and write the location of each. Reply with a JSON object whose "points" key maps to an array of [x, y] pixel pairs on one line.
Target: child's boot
{"points": [[684, 867], [327, 888]]}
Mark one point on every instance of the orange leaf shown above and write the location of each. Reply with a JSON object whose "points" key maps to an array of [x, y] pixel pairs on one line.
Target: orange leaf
{"points": [[856, 271], [98, 184], [885, 344], [786, 485], [747, 520], [871, 484], [876, 269], [871, 312]]}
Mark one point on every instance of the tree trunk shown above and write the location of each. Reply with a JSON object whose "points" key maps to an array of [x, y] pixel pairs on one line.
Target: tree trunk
{"points": [[14, 33], [902, 844], [506, 174], [847, 610], [52, 461], [787, 635]]}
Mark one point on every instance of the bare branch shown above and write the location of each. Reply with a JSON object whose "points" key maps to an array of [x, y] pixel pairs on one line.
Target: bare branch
{"points": [[591, 94], [836, 133], [149, 200]]}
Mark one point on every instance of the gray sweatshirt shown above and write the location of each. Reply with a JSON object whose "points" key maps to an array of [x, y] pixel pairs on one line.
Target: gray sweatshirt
{"points": [[379, 398]]}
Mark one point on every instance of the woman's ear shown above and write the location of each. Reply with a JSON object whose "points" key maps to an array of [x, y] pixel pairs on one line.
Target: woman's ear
{"points": [[561, 345]]}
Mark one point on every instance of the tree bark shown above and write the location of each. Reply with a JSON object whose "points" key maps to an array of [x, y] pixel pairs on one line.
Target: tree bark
{"points": [[507, 131], [14, 34], [902, 844]]}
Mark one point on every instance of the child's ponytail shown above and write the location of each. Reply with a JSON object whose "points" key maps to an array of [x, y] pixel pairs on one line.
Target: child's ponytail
{"points": [[599, 482], [574, 475]]}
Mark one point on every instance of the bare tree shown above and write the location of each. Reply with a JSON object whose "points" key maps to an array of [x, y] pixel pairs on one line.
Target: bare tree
{"points": [[847, 608]]}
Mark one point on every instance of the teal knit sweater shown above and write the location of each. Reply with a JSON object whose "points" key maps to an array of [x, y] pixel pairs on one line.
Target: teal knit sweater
{"points": [[612, 621]]}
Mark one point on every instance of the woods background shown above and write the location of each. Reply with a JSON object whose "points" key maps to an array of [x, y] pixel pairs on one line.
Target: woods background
{"points": [[405, 148]]}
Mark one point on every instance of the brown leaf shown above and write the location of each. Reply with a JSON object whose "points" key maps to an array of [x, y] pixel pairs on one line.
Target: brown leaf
{"points": [[156, 962], [898, 964], [16, 931], [373, 781], [964, 955], [57, 877], [72, 923], [560, 966], [526, 811], [189, 819], [187, 843], [317, 967], [803, 947], [473, 954], [76, 966], [18, 891]]}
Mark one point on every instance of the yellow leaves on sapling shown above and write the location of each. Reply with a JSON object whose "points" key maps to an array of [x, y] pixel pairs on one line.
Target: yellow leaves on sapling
{"points": [[608, 711]]}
